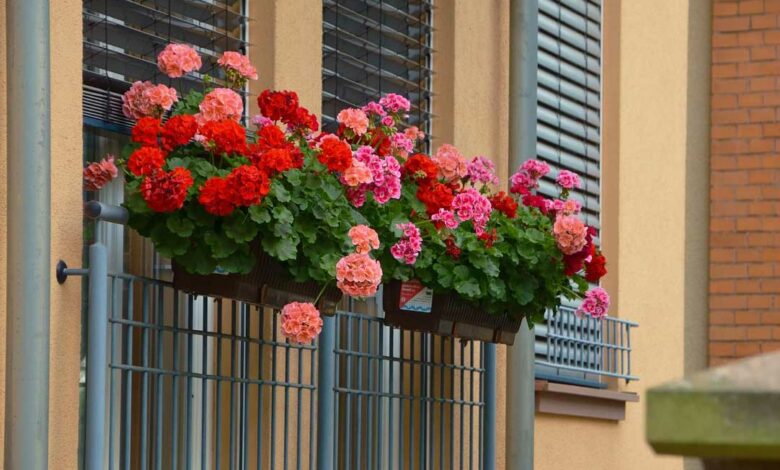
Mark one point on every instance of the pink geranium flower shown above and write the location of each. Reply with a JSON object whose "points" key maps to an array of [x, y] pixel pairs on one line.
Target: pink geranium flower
{"points": [[482, 170], [471, 205], [301, 322], [219, 104], [570, 234], [364, 238], [410, 244], [99, 174], [394, 103], [177, 59], [595, 304], [234, 62], [568, 180], [450, 162], [358, 275], [147, 99], [354, 119]]}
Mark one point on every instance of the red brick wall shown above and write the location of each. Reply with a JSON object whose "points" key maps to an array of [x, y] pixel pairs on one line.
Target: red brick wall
{"points": [[745, 180]]}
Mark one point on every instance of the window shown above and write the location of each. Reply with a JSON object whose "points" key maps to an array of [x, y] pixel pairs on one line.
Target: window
{"points": [[123, 37], [371, 48], [569, 349]]}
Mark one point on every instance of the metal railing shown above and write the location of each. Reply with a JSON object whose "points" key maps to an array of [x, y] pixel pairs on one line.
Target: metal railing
{"points": [[583, 350]]}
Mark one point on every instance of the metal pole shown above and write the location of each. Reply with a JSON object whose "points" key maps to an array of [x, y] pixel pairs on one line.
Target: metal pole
{"points": [[29, 235], [523, 30], [97, 331], [326, 393], [489, 431]]}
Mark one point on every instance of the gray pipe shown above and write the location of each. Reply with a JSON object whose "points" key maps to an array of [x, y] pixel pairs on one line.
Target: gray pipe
{"points": [[523, 30], [29, 235], [97, 362]]}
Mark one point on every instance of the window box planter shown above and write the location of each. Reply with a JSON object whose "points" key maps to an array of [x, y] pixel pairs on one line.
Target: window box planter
{"points": [[449, 315], [267, 285]]}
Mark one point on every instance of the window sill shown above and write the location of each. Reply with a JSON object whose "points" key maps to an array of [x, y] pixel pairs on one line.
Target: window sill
{"points": [[571, 400]]}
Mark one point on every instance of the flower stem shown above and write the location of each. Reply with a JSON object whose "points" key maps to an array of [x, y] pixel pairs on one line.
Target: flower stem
{"points": [[322, 291]]}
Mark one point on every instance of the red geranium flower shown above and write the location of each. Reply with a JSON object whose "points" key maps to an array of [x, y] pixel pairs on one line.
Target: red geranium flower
{"points": [[435, 196], [216, 196], [145, 131], [335, 154], [301, 118], [271, 137], [146, 161], [503, 202], [532, 200], [452, 249], [178, 131], [226, 135], [248, 185], [573, 263], [277, 105], [488, 237], [596, 268], [420, 167], [166, 191], [276, 160]]}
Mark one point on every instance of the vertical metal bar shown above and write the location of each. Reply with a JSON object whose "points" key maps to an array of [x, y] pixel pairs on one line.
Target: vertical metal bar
{"points": [[246, 330], [411, 399], [348, 398], [299, 407], [523, 63], [391, 386], [401, 400], [312, 417], [370, 444], [188, 401], [97, 331], [29, 235], [128, 398], [286, 402], [260, 428], [232, 383], [489, 400], [145, 287], [443, 401], [461, 399], [358, 396], [274, 386], [471, 404], [158, 435], [326, 394], [204, 444], [218, 385], [175, 392], [115, 306]]}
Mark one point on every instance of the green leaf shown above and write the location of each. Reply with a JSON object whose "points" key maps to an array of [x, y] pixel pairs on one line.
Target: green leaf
{"points": [[260, 214], [461, 272], [294, 177], [523, 290], [167, 243], [239, 228], [134, 202], [180, 225], [332, 190], [279, 192], [496, 288], [241, 261], [444, 275], [280, 248], [485, 263], [221, 246], [197, 214], [307, 228], [282, 230], [535, 235], [468, 288], [282, 214]]}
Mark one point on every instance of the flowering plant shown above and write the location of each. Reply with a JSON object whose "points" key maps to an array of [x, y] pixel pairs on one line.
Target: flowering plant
{"points": [[354, 207], [443, 222]]}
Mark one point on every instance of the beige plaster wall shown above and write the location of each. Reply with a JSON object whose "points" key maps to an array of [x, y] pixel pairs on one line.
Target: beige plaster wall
{"points": [[661, 231], [66, 228], [3, 231]]}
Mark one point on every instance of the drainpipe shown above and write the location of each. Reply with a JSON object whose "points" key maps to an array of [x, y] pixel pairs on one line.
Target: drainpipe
{"points": [[523, 29], [29, 235]]}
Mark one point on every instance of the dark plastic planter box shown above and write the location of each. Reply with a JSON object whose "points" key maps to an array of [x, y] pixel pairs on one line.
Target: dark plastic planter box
{"points": [[449, 315], [267, 285]]}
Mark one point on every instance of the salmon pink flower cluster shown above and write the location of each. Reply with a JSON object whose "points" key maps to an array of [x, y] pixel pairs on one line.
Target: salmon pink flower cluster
{"points": [[99, 174], [364, 238], [410, 244], [220, 104], [570, 234], [354, 120], [237, 68], [301, 322], [452, 165], [568, 179], [358, 275], [147, 99], [473, 206], [385, 183], [178, 59]]}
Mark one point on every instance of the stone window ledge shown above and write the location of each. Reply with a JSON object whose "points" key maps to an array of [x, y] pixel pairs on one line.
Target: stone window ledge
{"points": [[585, 402]]}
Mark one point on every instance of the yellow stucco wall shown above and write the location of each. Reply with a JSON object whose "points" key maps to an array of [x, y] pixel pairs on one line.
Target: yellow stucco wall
{"points": [[663, 70], [66, 228], [656, 141]]}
